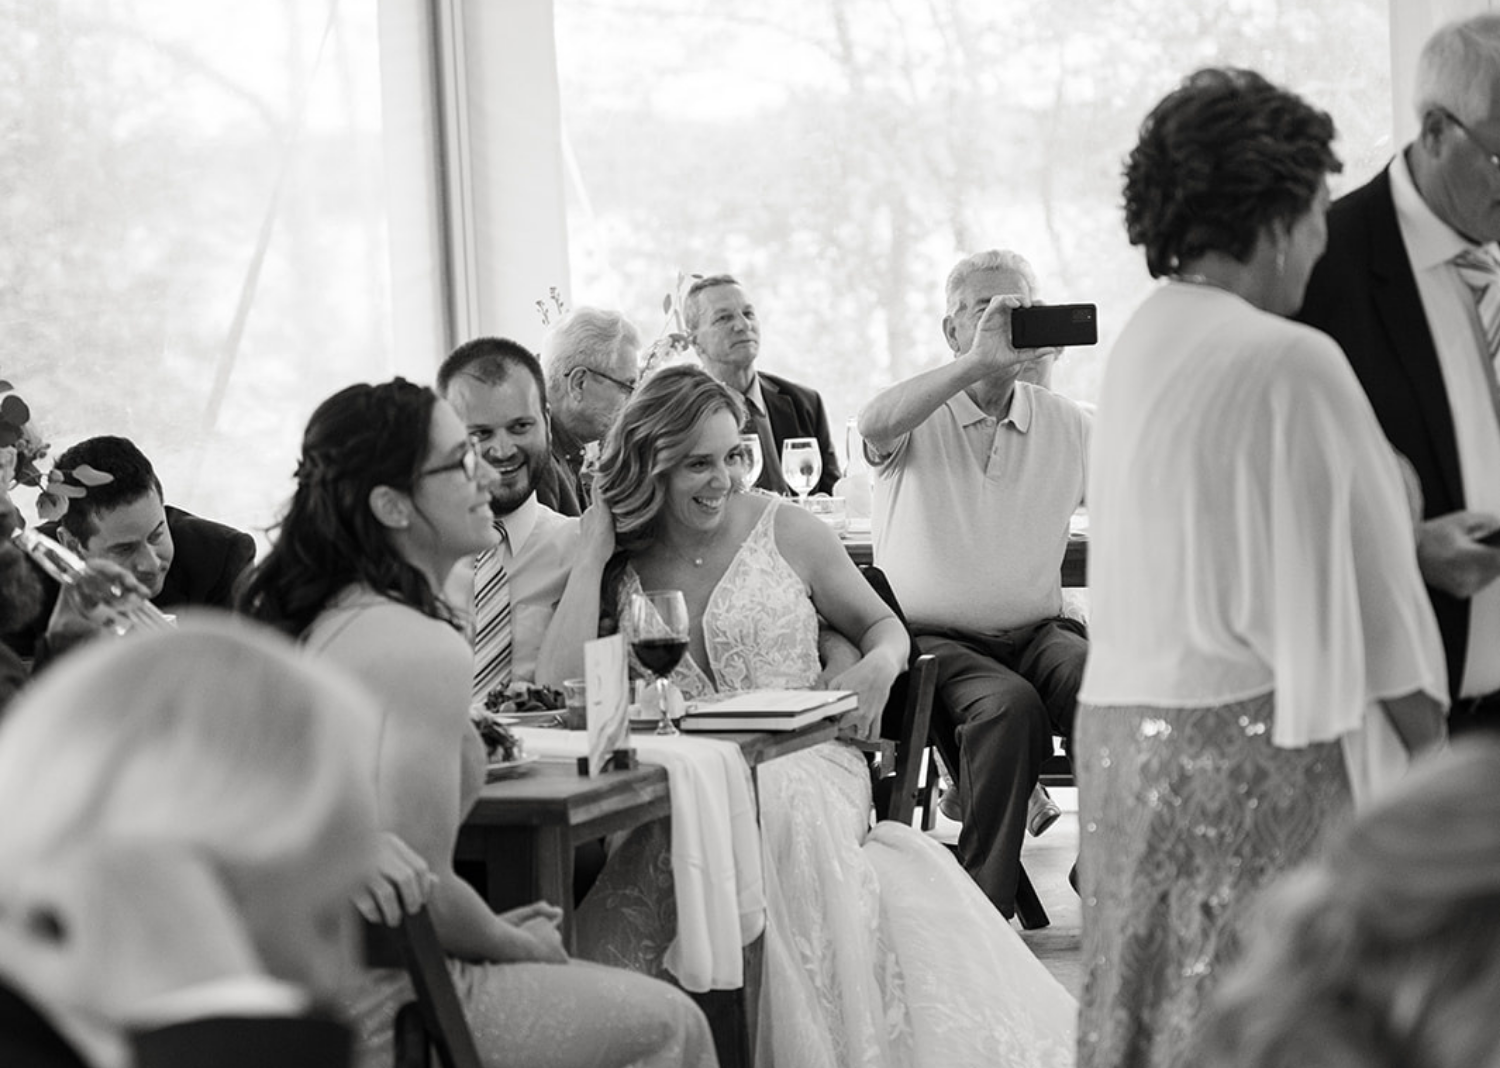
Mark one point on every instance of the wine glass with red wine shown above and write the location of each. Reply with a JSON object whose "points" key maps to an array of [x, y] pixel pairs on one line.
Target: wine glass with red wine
{"points": [[658, 629]]}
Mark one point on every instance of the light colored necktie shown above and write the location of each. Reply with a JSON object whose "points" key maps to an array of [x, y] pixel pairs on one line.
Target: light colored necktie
{"points": [[492, 625], [1481, 273]]}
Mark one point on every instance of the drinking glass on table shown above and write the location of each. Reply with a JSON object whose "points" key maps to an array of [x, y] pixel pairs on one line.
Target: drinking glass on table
{"points": [[751, 458], [801, 465], [657, 622]]}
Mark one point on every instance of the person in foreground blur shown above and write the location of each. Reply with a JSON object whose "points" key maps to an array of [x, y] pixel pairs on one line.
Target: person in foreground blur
{"points": [[498, 392], [592, 359], [1261, 644], [1408, 288], [725, 332], [179, 559], [390, 496], [188, 815], [977, 475], [1381, 953], [878, 949]]}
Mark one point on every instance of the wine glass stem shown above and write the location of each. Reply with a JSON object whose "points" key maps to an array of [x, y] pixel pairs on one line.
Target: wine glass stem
{"points": [[665, 726]]}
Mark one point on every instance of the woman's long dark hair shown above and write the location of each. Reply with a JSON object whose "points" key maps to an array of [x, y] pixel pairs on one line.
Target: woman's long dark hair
{"points": [[359, 438]]}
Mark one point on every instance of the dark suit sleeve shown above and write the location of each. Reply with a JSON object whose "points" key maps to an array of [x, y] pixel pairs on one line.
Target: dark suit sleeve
{"points": [[209, 560], [238, 557], [245, 1042]]}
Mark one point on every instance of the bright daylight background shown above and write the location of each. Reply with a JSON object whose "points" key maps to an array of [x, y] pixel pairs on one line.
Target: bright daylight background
{"points": [[195, 245]]}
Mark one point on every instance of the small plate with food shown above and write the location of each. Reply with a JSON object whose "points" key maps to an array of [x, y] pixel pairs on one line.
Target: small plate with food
{"points": [[526, 704]]}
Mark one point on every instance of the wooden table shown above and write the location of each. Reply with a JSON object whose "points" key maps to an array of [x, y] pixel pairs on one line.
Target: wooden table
{"points": [[523, 831], [861, 550]]}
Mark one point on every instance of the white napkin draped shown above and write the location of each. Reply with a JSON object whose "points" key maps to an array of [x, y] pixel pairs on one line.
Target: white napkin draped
{"points": [[716, 862]]}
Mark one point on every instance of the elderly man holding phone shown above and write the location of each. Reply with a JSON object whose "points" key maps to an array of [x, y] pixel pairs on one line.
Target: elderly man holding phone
{"points": [[977, 473]]}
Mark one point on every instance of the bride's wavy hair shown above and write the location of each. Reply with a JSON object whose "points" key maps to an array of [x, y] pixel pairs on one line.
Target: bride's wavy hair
{"points": [[361, 437], [650, 437]]}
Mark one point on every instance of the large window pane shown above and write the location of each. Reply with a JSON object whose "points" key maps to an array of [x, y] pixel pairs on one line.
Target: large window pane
{"points": [[838, 156], [195, 245]]}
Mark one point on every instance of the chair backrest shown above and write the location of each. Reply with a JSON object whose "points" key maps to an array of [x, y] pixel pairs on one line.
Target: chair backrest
{"points": [[907, 719], [435, 1020], [896, 791]]}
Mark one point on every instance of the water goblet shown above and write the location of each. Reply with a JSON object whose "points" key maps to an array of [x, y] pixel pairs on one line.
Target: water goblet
{"points": [[801, 465], [751, 458]]}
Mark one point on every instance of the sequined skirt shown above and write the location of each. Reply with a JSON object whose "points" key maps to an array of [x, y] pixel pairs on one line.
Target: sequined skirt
{"points": [[1185, 814]]}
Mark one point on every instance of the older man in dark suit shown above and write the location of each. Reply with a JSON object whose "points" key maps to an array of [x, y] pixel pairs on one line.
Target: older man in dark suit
{"points": [[1410, 289], [723, 326]]}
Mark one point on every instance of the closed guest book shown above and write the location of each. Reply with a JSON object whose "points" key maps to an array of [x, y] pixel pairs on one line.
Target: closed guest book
{"points": [[768, 710]]}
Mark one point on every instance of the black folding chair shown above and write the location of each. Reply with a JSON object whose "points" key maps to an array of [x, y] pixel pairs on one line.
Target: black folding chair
{"points": [[435, 1020]]}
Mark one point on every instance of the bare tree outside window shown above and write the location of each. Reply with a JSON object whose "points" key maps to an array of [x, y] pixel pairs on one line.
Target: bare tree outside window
{"points": [[839, 155]]}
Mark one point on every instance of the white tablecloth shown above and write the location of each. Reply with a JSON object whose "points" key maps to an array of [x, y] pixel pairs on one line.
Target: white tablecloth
{"points": [[716, 863]]}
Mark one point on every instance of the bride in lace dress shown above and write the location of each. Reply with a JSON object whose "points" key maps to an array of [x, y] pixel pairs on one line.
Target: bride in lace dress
{"points": [[879, 949]]}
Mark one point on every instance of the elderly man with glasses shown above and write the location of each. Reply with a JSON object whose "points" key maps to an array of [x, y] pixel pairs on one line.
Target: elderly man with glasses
{"points": [[1410, 289], [591, 359]]}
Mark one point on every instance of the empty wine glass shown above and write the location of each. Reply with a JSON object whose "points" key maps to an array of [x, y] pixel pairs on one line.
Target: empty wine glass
{"points": [[801, 465], [751, 458], [657, 622]]}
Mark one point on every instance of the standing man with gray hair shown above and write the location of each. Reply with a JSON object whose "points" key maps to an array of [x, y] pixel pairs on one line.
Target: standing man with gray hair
{"points": [[592, 361], [977, 475], [1410, 289], [725, 330]]}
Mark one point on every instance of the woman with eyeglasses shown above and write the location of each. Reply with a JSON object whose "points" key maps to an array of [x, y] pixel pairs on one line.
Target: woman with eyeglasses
{"points": [[390, 496]]}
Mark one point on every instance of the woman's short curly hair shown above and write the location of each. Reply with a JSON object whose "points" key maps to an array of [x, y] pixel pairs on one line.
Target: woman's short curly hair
{"points": [[1223, 156]]}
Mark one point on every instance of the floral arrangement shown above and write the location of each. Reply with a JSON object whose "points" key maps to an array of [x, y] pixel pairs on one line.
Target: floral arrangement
{"points": [[554, 307], [22, 450], [673, 345]]}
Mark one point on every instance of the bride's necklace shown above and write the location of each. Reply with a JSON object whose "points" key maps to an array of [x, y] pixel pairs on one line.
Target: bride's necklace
{"points": [[696, 559]]}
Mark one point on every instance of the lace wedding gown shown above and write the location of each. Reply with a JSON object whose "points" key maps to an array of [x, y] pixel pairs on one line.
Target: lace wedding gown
{"points": [[879, 949]]}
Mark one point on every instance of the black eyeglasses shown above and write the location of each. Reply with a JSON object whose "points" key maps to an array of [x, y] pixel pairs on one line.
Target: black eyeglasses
{"points": [[468, 463], [628, 387], [1493, 157]]}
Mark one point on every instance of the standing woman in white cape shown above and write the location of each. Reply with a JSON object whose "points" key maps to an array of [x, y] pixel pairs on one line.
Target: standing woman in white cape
{"points": [[1258, 623]]}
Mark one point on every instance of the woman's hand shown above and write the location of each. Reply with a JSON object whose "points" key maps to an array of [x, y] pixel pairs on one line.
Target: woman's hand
{"points": [[535, 928], [400, 884], [871, 680], [537, 910]]}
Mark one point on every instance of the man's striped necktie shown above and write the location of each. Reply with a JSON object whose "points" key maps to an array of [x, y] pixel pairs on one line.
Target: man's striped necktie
{"points": [[1481, 273], [492, 626]]}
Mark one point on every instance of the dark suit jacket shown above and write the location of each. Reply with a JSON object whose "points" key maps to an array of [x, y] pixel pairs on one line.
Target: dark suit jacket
{"points": [[207, 561], [797, 412], [1364, 295], [28, 1039]]}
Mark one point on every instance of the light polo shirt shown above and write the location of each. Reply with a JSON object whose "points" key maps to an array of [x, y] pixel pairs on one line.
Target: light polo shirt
{"points": [[1453, 321], [971, 513], [539, 551]]}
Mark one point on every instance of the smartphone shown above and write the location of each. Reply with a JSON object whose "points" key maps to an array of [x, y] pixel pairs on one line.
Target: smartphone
{"points": [[1045, 325]]}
